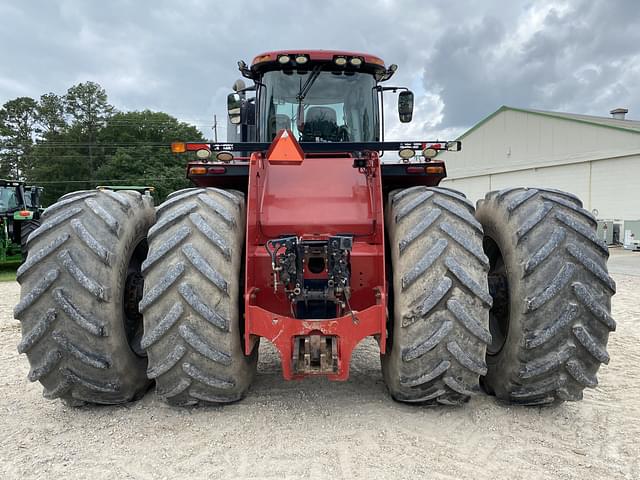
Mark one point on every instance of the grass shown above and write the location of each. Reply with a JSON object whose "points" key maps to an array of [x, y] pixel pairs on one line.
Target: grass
{"points": [[8, 269], [7, 276]]}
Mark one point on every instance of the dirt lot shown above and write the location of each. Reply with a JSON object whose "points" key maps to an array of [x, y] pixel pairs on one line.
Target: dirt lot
{"points": [[317, 429]]}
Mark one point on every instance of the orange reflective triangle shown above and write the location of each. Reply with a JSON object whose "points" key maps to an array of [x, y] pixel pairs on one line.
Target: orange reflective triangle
{"points": [[285, 150]]}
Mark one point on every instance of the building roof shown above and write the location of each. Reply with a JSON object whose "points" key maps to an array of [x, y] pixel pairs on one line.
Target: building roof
{"points": [[607, 122]]}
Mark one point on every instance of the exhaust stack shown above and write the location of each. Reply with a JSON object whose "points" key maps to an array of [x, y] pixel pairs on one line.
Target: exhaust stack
{"points": [[619, 113]]}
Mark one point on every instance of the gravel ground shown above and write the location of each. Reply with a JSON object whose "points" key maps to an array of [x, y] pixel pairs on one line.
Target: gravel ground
{"points": [[319, 429]]}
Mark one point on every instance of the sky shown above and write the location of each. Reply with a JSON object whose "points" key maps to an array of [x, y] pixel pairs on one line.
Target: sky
{"points": [[462, 58]]}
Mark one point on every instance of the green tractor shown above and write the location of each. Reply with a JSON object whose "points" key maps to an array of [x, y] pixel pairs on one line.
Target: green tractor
{"points": [[20, 212]]}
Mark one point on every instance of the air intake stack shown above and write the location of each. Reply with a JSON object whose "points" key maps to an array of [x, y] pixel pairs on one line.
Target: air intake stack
{"points": [[619, 113]]}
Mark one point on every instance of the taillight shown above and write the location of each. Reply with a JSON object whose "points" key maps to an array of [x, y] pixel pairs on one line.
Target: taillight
{"points": [[217, 170], [423, 170], [435, 170], [197, 171]]}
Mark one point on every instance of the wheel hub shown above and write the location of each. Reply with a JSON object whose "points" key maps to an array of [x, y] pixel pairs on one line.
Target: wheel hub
{"points": [[499, 290], [133, 290]]}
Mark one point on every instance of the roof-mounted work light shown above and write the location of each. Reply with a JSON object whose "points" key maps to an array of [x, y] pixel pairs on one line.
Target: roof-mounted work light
{"points": [[429, 152], [340, 61], [406, 154]]}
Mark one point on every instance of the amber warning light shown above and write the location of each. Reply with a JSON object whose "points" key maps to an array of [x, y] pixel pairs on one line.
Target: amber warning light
{"points": [[178, 147]]}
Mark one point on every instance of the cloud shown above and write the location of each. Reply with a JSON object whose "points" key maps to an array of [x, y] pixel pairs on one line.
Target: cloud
{"points": [[579, 56], [463, 59]]}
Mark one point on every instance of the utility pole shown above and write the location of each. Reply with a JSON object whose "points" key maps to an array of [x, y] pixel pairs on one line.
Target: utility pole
{"points": [[215, 128]]}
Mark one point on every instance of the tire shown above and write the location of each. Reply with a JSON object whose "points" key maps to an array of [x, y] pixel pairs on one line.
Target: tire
{"points": [[180, 192], [192, 302], [452, 190], [76, 285], [26, 229], [438, 331], [552, 296]]}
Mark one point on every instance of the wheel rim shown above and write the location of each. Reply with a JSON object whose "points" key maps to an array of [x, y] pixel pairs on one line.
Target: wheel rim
{"points": [[499, 290], [132, 294]]}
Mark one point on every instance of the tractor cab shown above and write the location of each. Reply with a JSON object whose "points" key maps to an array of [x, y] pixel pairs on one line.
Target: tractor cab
{"points": [[12, 196], [33, 197], [19, 215], [16, 198], [320, 96]]}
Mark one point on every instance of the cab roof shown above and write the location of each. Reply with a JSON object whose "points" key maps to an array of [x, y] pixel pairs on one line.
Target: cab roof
{"points": [[316, 55]]}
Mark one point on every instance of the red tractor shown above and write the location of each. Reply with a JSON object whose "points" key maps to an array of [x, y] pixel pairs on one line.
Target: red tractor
{"points": [[307, 229]]}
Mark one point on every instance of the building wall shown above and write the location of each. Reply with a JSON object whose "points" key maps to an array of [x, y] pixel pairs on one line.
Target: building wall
{"points": [[612, 186], [615, 188], [519, 149]]}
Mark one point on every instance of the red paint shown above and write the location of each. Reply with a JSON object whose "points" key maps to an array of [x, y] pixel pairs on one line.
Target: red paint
{"points": [[314, 199], [197, 146], [315, 55], [281, 330]]}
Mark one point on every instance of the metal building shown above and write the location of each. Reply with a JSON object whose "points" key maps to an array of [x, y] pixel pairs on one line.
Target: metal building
{"points": [[596, 158]]}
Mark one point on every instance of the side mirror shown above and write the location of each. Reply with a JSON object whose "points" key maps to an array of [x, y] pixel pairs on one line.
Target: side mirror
{"points": [[239, 85], [405, 106], [454, 146], [234, 104]]}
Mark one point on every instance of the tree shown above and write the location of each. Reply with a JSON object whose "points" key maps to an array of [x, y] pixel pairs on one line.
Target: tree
{"points": [[50, 114], [51, 152], [88, 108], [78, 141], [151, 162], [17, 121]]}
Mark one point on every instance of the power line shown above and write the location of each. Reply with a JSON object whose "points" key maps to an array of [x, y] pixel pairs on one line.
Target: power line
{"points": [[175, 121], [143, 123], [118, 180], [83, 145], [44, 146], [107, 156]]}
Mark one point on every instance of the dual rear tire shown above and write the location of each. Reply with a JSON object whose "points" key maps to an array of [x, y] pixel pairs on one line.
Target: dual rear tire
{"points": [[542, 291], [100, 261]]}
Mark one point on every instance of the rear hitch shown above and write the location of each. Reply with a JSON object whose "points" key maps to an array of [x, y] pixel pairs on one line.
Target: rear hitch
{"points": [[314, 274], [315, 354]]}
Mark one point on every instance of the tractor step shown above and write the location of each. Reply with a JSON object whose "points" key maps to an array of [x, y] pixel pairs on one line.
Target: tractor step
{"points": [[315, 355]]}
